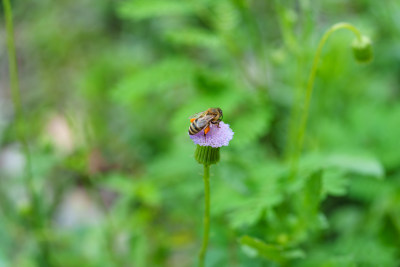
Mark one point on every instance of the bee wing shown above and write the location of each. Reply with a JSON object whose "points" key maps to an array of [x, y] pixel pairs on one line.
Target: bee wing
{"points": [[203, 121], [196, 115]]}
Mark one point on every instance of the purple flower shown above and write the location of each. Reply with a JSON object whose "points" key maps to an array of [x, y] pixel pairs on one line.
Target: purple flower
{"points": [[216, 137]]}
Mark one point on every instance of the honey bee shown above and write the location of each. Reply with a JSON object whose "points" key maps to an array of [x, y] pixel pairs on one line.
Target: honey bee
{"points": [[202, 120]]}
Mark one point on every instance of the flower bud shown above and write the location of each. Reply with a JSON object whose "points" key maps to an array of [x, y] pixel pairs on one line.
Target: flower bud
{"points": [[362, 49], [206, 155]]}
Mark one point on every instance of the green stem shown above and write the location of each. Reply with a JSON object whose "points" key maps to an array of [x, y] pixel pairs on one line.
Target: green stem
{"points": [[309, 88], [206, 232], [37, 221], [15, 92], [109, 228]]}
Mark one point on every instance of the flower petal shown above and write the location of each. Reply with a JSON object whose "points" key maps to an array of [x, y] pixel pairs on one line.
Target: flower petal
{"points": [[216, 137]]}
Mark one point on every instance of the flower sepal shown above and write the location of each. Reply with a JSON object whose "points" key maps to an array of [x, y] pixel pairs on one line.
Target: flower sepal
{"points": [[206, 155], [362, 49]]}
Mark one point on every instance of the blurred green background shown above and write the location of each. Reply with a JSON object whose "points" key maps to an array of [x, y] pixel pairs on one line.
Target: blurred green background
{"points": [[107, 88]]}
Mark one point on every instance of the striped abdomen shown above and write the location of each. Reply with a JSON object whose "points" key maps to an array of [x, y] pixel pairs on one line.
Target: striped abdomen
{"points": [[196, 127]]}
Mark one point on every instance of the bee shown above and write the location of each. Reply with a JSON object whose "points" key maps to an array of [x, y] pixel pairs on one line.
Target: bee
{"points": [[202, 120]]}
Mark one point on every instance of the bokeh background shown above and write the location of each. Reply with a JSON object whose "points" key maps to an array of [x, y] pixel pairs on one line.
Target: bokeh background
{"points": [[107, 88]]}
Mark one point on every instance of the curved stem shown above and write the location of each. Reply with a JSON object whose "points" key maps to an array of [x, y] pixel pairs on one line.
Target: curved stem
{"points": [[309, 88], [206, 230]]}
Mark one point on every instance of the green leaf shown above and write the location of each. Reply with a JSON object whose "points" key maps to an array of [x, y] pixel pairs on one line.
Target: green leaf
{"points": [[166, 75], [334, 183], [310, 199], [193, 37], [356, 164], [254, 247], [128, 186], [250, 209], [257, 248], [226, 16], [145, 9], [349, 163], [313, 191], [251, 125]]}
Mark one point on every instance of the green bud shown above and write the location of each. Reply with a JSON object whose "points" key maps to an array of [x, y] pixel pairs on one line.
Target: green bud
{"points": [[206, 155], [362, 49]]}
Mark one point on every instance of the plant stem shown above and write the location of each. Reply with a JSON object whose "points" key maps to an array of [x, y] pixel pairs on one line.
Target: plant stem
{"points": [[206, 230], [16, 98], [308, 91], [37, 220], [109, 228]]}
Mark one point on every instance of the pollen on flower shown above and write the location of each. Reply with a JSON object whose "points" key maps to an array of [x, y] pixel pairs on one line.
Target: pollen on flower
{"points": [[216, 137]]}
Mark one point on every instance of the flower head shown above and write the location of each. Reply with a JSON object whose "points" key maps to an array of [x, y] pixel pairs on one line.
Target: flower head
{"points": [[216, 137], [362, 49]]}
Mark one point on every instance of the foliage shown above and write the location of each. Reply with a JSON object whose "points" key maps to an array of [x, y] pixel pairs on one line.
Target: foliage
{"points": [[107, 89]]}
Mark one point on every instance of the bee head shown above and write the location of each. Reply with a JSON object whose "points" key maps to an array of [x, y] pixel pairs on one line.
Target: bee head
{"points": [[219, 112]]}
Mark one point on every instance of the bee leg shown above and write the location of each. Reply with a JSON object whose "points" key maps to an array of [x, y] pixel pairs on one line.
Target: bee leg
{"points": [[192, 119], [217, 123]]}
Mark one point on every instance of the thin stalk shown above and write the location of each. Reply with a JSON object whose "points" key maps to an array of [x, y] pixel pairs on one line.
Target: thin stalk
{"points": [[16, 98], [37, 222], [206, 221], [109, 228], [309, 88]]}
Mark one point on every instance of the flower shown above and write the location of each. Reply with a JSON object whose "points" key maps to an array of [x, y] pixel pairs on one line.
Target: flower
{"points": [[362, 49], [216, 137]]}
